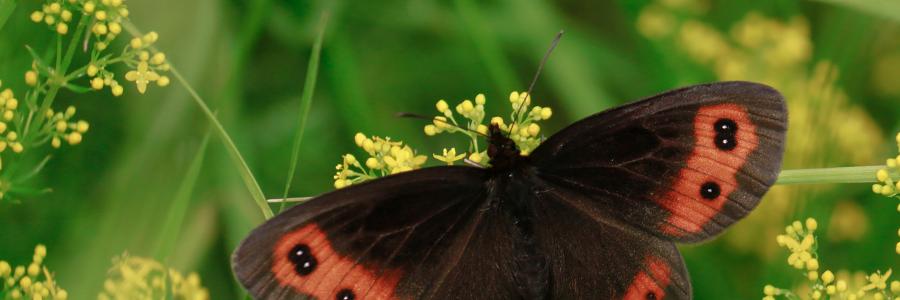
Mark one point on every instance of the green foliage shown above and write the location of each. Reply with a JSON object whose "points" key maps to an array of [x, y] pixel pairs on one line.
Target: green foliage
{"points": [[6, 9]]}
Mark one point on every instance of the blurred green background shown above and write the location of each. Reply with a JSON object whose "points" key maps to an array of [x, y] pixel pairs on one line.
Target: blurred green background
{"points": [[838, 65]]}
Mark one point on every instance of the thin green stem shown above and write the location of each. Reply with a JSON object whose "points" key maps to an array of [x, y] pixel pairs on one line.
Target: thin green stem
{"points": [[309, 87], [864, 174], [58, 76], [58, 51]]}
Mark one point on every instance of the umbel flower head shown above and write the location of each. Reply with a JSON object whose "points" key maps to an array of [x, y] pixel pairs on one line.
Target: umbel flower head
{"points": [[106, 24], [522, 127], [385, 157], [800, 239], [138, 278], [390, 157], [33, 281]]}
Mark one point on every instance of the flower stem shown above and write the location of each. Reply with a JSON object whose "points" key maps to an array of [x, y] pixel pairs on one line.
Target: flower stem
{"points": [[863, 174], [57, 79]]}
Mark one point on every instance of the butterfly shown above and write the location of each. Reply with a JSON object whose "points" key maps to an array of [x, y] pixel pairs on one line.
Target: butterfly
{"points": [[593, 212]]}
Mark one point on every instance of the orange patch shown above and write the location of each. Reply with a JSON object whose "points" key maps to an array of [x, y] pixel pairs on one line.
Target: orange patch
{"points": [[333, 271], [689, 211], [643, 283]]}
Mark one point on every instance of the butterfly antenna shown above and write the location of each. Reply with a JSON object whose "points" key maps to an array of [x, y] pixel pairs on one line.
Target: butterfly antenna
{"points": [[539, 69], [427, 118]]}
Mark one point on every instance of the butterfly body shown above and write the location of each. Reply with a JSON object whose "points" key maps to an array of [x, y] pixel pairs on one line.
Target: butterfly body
{"points": [[592, 213]]}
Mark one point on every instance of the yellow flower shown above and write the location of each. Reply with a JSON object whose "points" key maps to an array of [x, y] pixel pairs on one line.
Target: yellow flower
{"points": [[163, 81], [476, 157], [142, 76], [136, 43], [449, 156], [158, 58], [33, 282], [385, 157], [134, 277], [522, 128], [97, 83], [31, 78]]}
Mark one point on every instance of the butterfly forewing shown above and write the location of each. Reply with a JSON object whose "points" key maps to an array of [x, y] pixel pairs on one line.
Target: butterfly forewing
{"points": [[422, 234], [682, 165]]}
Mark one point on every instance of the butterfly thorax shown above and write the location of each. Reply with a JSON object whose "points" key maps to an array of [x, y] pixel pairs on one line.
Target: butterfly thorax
{"points": [[502, 150]]}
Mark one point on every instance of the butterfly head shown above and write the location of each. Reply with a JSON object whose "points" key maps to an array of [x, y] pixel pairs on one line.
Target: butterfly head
{"points": [[502, 150]]}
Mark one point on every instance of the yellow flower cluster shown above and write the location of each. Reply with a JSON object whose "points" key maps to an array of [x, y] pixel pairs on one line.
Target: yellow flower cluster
{"points": [[522, 128], [800, 239], [385, 157], [108, 16], [8, 138], [30, 282], [138, 278], [56, 14], [888, 186], [148, 65], [138, 56], [63, 128]]}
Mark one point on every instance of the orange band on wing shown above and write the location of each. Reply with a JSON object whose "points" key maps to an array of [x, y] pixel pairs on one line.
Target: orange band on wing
{"points": [[333, 273], [649, 285], [708, 163]]}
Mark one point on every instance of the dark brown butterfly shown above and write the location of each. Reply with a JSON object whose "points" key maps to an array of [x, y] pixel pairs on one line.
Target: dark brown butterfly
{"points": [[592, 213]]}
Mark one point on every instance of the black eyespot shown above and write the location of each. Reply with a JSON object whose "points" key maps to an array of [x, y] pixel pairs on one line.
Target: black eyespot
{"points": [[651, 296], [345, 294], [710, 190], [304, 261], [725, 126], [725, 141]]}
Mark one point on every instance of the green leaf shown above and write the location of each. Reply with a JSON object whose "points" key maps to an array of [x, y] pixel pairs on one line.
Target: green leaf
{"points": [[309, 87], [6, 9], [43, 68], [884, 8], [177, 212]]}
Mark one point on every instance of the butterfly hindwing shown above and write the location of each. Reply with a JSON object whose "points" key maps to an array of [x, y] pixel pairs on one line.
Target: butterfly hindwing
{"points": [[406, 236], [682, 165], [593, 255]]}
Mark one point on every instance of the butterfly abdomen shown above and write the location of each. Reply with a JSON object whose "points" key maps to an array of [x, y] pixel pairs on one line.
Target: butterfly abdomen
{"points": [[532, 268]]}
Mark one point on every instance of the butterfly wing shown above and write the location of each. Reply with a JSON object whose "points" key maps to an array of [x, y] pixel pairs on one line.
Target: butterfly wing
{"points": [[406, 236], [682, 165], [595, 256]]}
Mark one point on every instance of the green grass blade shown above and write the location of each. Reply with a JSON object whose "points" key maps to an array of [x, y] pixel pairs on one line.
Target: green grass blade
{"points": [[246, 175], [864, 174], [6, 9], [180, 204], [312, 71], [884, 8]]}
